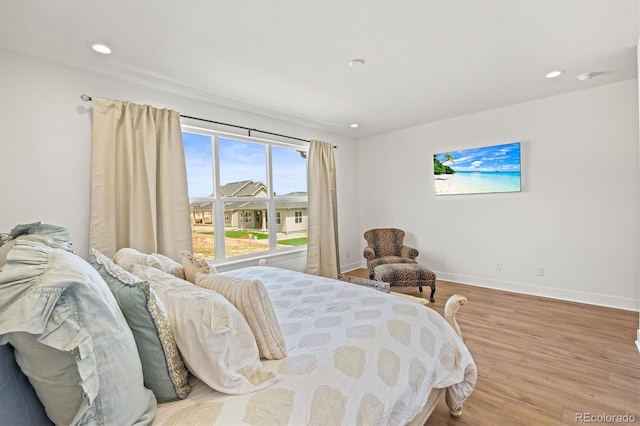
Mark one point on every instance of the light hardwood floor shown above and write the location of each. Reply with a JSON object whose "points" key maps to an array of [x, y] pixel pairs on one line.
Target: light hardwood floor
{"points": [[541, 361]]}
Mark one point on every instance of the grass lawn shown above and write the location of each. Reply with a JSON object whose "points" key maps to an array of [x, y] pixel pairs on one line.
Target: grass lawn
{"points": [[294, 242]]}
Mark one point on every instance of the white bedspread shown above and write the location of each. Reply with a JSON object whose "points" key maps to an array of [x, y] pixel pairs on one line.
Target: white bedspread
{"points": [[356, 356]]}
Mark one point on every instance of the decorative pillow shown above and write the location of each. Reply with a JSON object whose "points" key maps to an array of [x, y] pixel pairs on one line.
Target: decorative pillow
{"points": [[194, 265], [170, 265], [20, 404], [214, 338], [252, 300], [128, 258], [50, 235], [162, 366], [376, 285], [71, 339]]}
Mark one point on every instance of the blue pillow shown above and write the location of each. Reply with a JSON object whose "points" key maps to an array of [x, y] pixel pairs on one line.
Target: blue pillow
{"points": [[19, 402], [162, 365]]}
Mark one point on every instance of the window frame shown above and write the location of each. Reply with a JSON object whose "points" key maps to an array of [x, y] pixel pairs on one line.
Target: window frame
{"points": [[218, 202]]}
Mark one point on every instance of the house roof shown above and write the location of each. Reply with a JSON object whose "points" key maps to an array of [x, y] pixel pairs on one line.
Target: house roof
{"points": [[245, 188], [249, 188]]}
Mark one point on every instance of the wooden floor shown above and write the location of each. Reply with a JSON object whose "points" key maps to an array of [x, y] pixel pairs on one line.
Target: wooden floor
{"points": [[541, 361]]}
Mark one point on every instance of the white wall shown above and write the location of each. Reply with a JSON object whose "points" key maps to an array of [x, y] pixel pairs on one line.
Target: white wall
{"points": [[45, 147], [577, 214]]}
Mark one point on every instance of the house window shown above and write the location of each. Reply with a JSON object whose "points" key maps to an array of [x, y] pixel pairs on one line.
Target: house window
{"points": [[239, 185]]}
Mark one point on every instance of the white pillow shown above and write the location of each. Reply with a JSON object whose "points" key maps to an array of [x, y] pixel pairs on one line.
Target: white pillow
{"points": [[194, 265], [214, 338], [170, 265], [252, 300], [127, 258]]}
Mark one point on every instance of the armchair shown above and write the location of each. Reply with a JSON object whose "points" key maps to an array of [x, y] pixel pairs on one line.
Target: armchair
{"points": [[386, 245]]}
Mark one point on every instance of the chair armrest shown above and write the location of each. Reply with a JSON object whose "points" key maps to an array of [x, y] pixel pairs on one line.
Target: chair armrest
{"points": [[409, 252], [369, 253]]}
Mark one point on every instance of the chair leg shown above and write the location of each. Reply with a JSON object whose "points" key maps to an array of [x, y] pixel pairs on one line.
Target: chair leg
{"points": [[420, 288], [433, 291]]}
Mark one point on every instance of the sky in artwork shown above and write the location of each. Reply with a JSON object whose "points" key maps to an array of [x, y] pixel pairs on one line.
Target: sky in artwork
{"points": [[240, 161], [497, 158]]}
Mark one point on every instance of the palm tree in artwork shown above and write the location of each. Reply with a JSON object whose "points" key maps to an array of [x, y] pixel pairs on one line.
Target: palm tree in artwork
{"points": [[438, 166], [448, 157]]}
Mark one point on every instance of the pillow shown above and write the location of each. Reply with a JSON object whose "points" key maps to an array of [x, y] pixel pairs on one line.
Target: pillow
{"points": [[128, 257], [20, 404], [365, 282], [170, 265], [214, 338], [162, 366], [50, 235], [252, 300], [70, 338], [193, 265]]}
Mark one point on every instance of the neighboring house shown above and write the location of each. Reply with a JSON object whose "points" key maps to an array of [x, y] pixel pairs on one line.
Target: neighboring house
{"points": [[291, 214]]}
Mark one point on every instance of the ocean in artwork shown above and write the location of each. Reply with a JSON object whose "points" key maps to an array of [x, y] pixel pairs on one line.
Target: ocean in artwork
{"points": [[477, 182], [479, 170]]}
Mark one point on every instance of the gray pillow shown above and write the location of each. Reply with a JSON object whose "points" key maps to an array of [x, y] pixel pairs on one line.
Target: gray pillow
{"points": [[19, 402], [52, 301], [162, 365]]}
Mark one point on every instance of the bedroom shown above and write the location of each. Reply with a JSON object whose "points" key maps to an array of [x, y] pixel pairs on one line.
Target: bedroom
{"points": [[584, 232]]}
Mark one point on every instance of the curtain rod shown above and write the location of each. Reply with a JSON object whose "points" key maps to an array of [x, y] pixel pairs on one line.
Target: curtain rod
{"points": [[88, 98]]}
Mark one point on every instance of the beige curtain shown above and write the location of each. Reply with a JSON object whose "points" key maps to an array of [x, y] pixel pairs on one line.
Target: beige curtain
{"points": [[322, 247], [139, 195]]}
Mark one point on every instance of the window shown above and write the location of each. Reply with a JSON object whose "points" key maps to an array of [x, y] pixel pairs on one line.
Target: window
{"points": [[237, 185]]}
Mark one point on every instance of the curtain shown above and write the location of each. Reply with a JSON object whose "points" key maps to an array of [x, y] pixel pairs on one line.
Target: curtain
{"points": [[139, 196], [322, 246]]}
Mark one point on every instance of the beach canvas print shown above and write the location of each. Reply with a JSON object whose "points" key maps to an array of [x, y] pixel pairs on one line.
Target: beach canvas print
{"points": [[479, 170]]}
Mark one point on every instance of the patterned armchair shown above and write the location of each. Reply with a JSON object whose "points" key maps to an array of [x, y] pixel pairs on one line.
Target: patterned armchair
{"points": [[385, 245]]}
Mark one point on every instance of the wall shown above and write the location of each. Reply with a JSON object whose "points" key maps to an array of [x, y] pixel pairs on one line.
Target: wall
{"points": [[577, 214], [45, 147]]}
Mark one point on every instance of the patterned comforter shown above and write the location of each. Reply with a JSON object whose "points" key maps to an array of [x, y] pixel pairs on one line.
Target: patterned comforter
{"points": [[355, 356]]}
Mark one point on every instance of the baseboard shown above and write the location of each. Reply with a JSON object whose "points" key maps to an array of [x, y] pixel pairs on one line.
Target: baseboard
{"points": [[624, 303], [351, 266]]}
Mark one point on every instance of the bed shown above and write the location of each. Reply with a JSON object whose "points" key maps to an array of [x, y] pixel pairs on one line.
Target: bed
{"points": [[355, 356]]}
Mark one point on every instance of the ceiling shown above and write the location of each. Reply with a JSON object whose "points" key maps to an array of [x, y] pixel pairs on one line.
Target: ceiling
{"points": [[425, 60]]}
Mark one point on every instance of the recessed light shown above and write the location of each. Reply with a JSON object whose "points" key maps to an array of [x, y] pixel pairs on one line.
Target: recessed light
{"points": [[554, 73], [354, 125], [101, 48], [355, 63], [586, 76]]}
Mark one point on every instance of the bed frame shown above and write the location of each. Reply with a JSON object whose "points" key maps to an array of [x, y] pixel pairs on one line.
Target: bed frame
{"points": [[450, 312]]}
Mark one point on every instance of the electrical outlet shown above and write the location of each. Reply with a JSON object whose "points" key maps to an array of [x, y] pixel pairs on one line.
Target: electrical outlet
{"points": [[539, 271], [498, 266]]}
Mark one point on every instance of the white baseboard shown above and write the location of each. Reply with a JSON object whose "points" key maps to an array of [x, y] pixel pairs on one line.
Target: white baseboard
{"points": [[624, 303], [351, 266]]}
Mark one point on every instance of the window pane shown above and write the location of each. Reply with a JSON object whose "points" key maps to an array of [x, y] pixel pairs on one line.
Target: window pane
{"points": [[202, 229], [293, 225], [199, 159], [243, 168], [289, 172], [245, 228]]}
